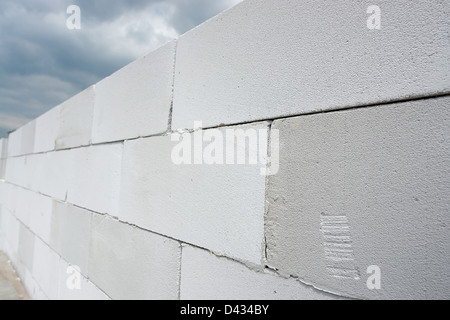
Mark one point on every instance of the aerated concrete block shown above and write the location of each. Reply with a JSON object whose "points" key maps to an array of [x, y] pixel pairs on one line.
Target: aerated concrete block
{"points": [[205, 277], [47, 127], [70, 234], [215, 206], [129, 263], [274, 58], [76, 118], [136, 100], [361, 201]]}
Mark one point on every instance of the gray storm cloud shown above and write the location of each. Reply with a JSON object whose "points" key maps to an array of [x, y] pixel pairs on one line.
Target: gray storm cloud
{"points": [[42, 63]]}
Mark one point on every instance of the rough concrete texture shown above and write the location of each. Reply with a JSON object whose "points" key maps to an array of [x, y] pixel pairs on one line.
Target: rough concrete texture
{"points": [[76, 118], [219, 207], [22, 140], [273, 58], [41, 216], [47, 127], [205, 276], [46, 269], [136, 100], [3, 148], [129, 263], [364, 187], [32, 209], [363, 184]]}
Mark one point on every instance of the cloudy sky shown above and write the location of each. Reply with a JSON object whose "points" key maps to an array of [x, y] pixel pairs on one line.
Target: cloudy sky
{"points": [[43, 63]]}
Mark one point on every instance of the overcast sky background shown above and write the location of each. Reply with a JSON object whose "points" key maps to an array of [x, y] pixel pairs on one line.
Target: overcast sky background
{"points": [[43, 63]]}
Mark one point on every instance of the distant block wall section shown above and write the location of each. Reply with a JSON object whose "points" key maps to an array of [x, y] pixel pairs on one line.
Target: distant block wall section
{"points": [[356, 121]]}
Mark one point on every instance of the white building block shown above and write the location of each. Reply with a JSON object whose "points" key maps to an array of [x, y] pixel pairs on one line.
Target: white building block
{"points": [[129, 263], [207, 277], [30, 208], [94, 178], [136, 100], [3, 148], [40, 218], [28, 171], [47, 127], [70, 234], [219, 207], [76, 115], [273, 58], [21, 141], [4, 195], [26, 248], [361, 188], [28, 134], [46, 269], [3, 157], [19, 203], [54, 173], [15, 143], [87, 177], [32, 287], [74, 286]]}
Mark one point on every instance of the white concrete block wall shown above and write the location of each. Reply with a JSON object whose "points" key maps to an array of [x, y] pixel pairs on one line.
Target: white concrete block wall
{"points": [[3, 157], [378, 176], [205, 276], [92, 185], [47, 127], [129, 263], [228, 200], [87, 290], [296, 57], [76, 118], [136, 100], [71, 234]]}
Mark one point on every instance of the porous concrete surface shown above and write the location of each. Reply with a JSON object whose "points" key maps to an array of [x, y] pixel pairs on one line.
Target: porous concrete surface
{"points": [[364, 187]]}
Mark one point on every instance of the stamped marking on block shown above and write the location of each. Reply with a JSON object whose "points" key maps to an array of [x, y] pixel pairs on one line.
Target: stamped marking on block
{"points": [[338, 247]]}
